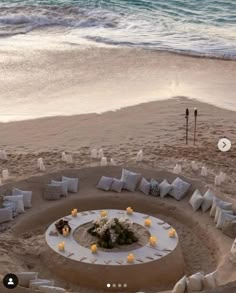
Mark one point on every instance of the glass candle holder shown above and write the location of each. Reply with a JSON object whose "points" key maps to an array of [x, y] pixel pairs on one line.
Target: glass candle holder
{"points": [[103, 214], [129, 211], [94, 248], [74, 212], [130, 258], [153, 241], [148, 223], [61, 246], [172, 233]]}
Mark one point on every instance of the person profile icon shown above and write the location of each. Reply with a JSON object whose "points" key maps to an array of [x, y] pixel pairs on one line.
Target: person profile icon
{"points": [[10, 282]]}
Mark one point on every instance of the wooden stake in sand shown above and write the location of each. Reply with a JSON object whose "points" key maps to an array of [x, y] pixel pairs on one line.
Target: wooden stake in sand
{"points": [[195, 125], [186, 117]]}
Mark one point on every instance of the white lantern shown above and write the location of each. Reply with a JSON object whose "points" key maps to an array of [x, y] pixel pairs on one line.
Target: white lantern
{"points": [[112, 162], [5, 174], [177, 169], [3, 155], [69, 159], [139, 157], [40, 164], [64, 157], [194, 166], [218, 180], [100, 153], [104, 161], [222, 176], [204, 171], [94, 154], [233, 252]]}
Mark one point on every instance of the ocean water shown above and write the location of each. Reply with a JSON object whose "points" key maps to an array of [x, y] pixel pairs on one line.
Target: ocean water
{"points": [[195, 27]]}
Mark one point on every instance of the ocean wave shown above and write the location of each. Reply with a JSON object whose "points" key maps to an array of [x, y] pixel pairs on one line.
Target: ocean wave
{"points": [[207, 28]]}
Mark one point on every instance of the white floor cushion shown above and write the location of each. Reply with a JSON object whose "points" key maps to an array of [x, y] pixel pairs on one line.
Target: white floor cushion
{"points": [[179, 188], [12, 205], [145, 186], [51, 289], [218, 211], [5, 215], [25, 278], [196, 200], [224, 216], [117, 185], [130, 179], [35, 284], [52, 192], [208, 198], [19, 200], [195, 282], [63, 184], [164, 188], [219, 203], [27, 196], [105, 183], [180, 286], [209, 281], [73, 184]]}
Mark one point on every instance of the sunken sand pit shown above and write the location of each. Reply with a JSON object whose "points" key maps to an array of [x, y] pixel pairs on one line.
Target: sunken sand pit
{"points": [[201, 246]]}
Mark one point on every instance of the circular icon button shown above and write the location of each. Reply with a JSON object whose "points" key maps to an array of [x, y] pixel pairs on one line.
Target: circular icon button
{"points": [[224, 144], [10, 281]]}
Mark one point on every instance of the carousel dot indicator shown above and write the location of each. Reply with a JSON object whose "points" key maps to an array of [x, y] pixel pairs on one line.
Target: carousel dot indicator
{"points": [[108, 285]]}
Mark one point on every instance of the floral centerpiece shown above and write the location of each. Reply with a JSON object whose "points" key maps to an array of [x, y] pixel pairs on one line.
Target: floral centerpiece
{"points": [[113, 232]]}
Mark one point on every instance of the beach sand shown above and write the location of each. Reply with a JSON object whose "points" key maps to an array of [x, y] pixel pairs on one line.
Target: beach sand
{"points": [[159, 129], [68, 80]]}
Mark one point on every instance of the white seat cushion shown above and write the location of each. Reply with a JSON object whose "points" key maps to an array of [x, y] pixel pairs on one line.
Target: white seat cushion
{"points": [[19, 200], [5, 215], [52, 192], [220, 203], [105, 183], [195, 282], [25, 278], [145, 186], [117, 185], [154, 188], [73, 184], [224, 216], [180, 286], [130, 179], [63, 184], [208, 198], [218, 211], [209, 281], [196, 200], [36, 283], [12, 205], [180, 188], [51, 289], [164, 188], [27, 196]]}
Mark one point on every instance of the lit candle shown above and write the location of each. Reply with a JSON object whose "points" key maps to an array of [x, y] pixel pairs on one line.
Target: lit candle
{"points": [[103, 214], [172, 233], [129, 211], [65, 231], [61, 246], [94, 248], [74, 212], [153, 241], [130, 258], [148, 222]]}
